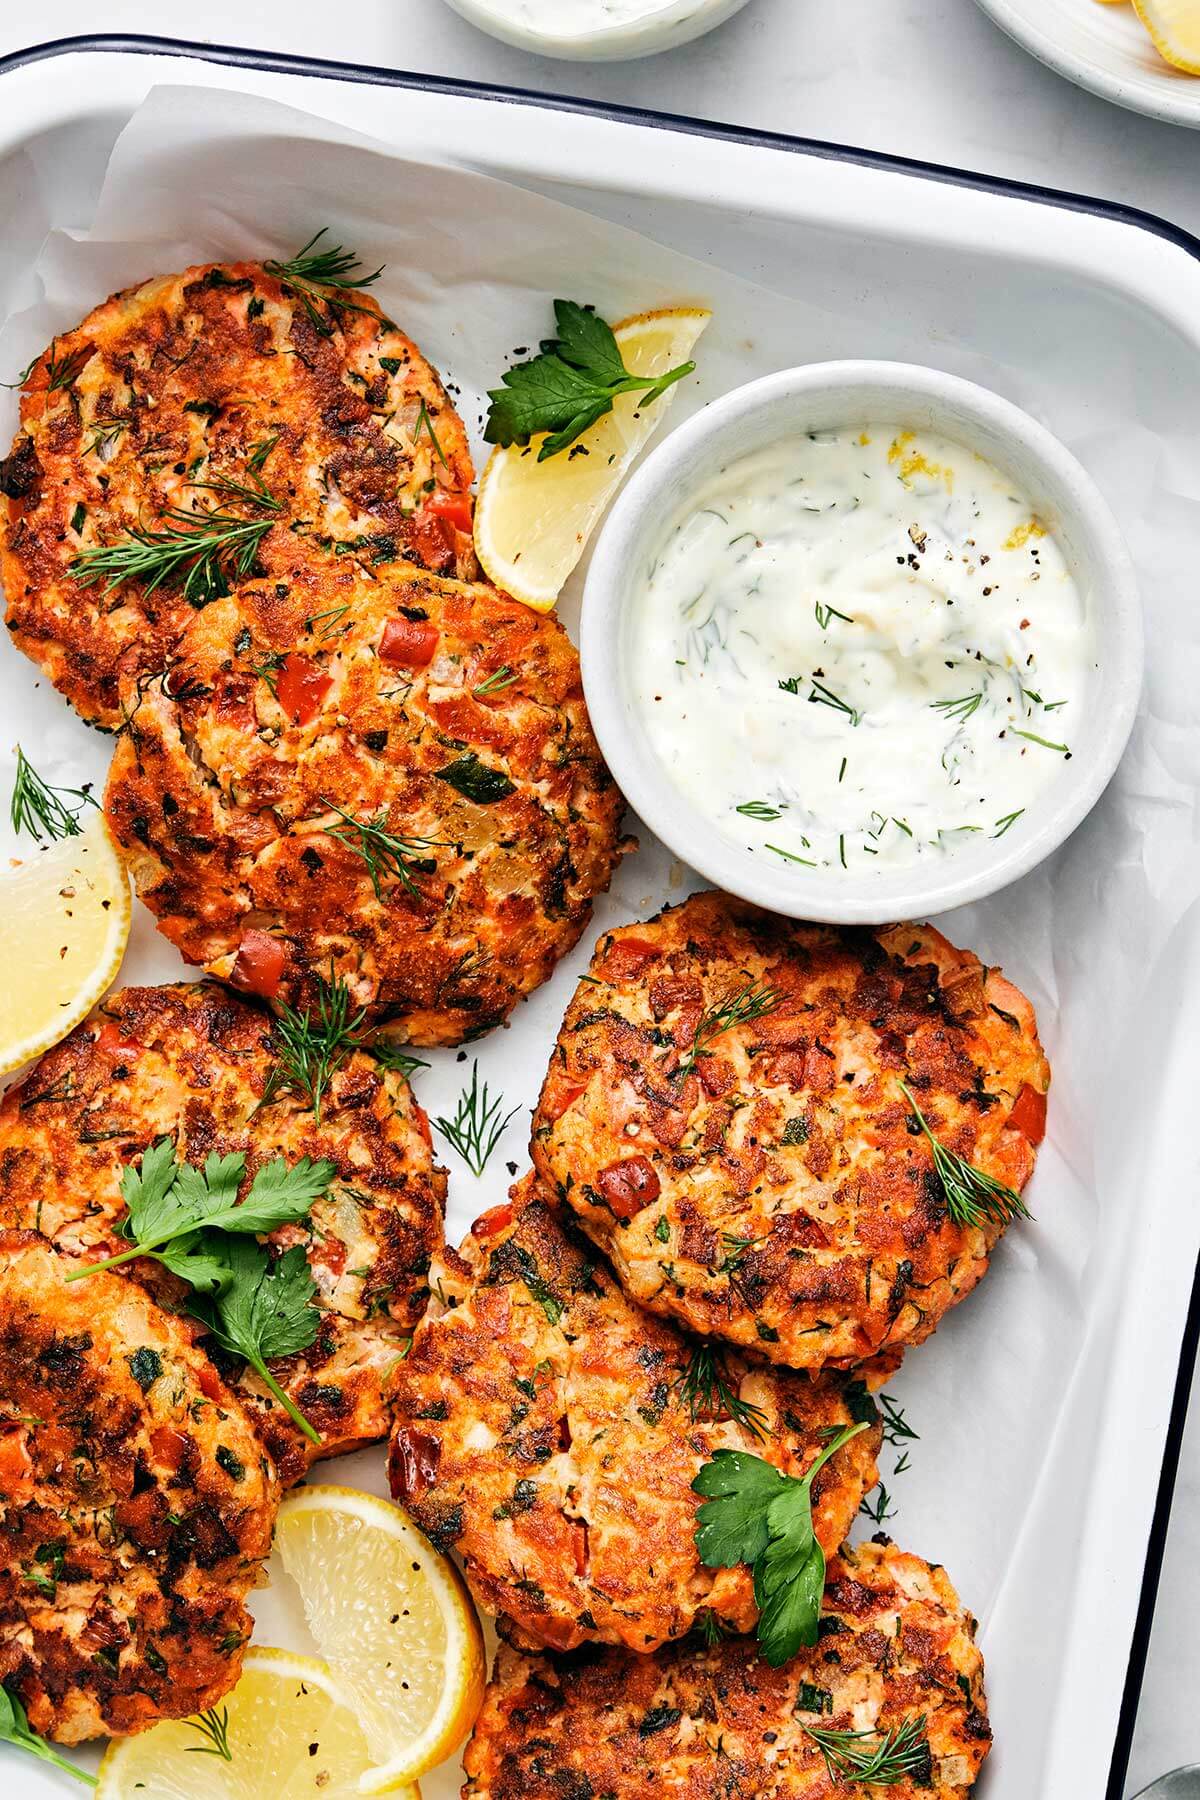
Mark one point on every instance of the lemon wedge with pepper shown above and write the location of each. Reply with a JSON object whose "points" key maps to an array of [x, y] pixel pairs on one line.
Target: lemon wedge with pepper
{"points": [[395, 1623], [64, 924], [284, 1730], [533, 519]]}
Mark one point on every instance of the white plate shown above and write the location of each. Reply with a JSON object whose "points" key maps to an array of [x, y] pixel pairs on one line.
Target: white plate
{"points": [[1105, 49]]}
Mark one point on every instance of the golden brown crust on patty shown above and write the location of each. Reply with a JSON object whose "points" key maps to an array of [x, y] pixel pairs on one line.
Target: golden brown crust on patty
{"points": [[701, 1723], [542, 1431], [136, 1504], [275, 730], [779, 1193], [180, 383], [192, 1063]]}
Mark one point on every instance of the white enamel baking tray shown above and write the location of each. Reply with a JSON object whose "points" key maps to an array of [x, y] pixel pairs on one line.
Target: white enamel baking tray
{"points": [[968, 274]]}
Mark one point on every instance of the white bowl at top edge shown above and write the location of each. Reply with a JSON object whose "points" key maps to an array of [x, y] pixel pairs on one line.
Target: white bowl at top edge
{"points": [[669, 24], [822, 397]]}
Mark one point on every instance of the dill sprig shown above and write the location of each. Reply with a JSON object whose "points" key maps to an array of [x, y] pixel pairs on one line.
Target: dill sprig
{"points": [[395, 1056], [387, 856], [104, 433], [880, 1759], [1007, 822], [203, 551], [256, 461], [1046, 743], [964, 708], [497, 681], [24, 374], [705, 1387], [825, 613], [896, 1428], [878, 1508], [251, 493], [37, 807], [710, 1628], [736, 1250], [425, 423], [214, 1726], [323, 277], [477, 1125], [61, 371], [329, 622], [972, 1195], [825, 696], [742, 1007], [758, 809], [312, 1045]]}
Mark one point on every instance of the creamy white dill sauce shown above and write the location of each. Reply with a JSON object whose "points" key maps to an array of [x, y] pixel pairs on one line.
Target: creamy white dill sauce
{"points": [[860, 648], [569, 18]]}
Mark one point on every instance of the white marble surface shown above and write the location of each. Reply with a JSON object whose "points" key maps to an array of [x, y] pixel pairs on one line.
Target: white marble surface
{"points": [[924, 78]]}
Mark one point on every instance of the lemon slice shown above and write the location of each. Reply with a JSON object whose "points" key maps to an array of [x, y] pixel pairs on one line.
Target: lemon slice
{"points": [[532, 519], [64, 924], [395, 1622], [285, 1727], [1175, 27]]}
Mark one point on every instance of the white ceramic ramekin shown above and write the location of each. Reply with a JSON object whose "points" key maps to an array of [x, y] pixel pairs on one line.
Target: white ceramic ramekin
{"points": [[822, 397], [664, 26]]}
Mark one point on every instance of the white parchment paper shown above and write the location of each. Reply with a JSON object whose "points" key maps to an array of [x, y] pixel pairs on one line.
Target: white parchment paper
{"points": [[1006, 1483]]}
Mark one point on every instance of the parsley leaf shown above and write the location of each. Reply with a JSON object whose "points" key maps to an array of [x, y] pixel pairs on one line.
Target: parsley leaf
{"points": [[256, 1306], [756, 1515], [262, 1311], [789, 1577], [733, 1527], [175, 1211], [147, 1191], [280, 1194], [586, 342], [569, 386], [16, 1729], [196, 1259], [207, 1191]]}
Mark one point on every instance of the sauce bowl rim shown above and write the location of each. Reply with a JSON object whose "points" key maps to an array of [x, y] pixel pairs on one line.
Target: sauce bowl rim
{"points": [[672, 24]]}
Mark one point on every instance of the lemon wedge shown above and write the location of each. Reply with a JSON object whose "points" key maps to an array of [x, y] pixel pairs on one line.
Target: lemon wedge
{"points": [[533, 520], [64, 924], [283, 1731], [395, 1622], [1175, 27]]}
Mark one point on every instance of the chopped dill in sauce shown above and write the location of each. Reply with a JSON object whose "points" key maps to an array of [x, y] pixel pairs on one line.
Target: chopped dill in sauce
{"points": [[844, 645]]}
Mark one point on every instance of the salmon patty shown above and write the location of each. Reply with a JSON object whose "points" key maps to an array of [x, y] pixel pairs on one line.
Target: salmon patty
{"points": [[896, 1663], [404, 794], [726, 1113], [202, 1066], [136, 1505], [295, 423], [549, 1430]]}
